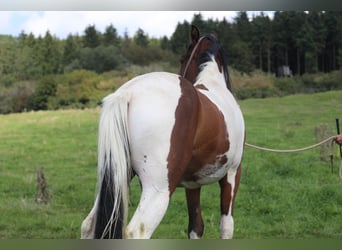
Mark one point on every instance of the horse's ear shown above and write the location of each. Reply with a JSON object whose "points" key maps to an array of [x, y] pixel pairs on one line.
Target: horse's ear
{"points": [[214, 35], [194, 34]]}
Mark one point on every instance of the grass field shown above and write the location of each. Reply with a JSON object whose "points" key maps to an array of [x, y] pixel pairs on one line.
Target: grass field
{"points": [[281, 195]]}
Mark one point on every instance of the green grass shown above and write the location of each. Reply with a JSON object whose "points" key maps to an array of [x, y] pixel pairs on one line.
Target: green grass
{"points": [[64, 144], [280, 196]]}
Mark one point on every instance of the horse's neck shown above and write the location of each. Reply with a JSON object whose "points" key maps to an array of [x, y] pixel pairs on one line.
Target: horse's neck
{"points": [[211, 78]]}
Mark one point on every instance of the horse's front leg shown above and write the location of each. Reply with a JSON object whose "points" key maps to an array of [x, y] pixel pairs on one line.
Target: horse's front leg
{"points": [[196, 226], [229, 185]]}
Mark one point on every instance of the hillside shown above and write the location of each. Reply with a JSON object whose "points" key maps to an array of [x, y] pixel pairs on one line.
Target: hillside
{"points": [[291, 196]]}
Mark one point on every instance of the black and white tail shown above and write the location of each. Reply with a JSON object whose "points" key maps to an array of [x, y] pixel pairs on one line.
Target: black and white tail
{"points": [[114, 168]]}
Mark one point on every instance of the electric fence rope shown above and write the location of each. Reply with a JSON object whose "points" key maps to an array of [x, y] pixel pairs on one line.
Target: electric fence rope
{"points": [[330, 140]]}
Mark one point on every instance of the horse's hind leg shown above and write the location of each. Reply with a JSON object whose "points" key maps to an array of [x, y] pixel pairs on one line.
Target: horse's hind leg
{"points": [[196, 226], [88, 224], [153, 204], [229, 185]]}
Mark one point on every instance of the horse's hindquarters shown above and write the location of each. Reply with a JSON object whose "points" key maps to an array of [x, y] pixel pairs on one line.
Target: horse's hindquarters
{"points": [[151, 121]]}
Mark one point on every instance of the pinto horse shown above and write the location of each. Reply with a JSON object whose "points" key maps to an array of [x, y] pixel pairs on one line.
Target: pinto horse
{"points": [[171, 131]]}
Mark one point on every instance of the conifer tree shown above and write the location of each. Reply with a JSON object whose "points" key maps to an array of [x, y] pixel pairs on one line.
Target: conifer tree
{"points": [[92, 37], [110, 37]]}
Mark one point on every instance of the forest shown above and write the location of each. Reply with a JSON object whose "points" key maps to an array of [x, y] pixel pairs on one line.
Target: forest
{"points": [[46, 72]]}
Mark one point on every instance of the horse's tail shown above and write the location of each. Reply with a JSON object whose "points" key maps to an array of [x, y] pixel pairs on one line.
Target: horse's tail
{"points": [[114, 168]]}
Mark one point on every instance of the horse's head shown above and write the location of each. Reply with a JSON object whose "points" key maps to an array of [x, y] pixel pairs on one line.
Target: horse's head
{"points": [[201, 50]]}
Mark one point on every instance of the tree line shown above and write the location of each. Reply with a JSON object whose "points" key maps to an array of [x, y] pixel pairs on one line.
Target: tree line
{"points": [[28, 57], [305, 42]]}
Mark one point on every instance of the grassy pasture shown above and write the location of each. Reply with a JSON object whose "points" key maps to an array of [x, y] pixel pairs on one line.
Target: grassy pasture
{"points": [[280, 196]]}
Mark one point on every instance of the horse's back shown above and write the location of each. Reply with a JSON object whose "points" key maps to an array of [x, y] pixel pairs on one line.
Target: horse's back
{"points": [[153, 101], [150, 97]]}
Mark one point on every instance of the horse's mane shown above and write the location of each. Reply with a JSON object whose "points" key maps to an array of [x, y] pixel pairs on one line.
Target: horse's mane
{"points": [[213, 50]]}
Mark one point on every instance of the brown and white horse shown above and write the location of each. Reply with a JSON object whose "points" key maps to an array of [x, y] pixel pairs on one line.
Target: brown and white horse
{"points": [[171, 131]]}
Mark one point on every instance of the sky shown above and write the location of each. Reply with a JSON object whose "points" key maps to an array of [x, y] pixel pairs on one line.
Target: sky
{"points": [[62, 23]]}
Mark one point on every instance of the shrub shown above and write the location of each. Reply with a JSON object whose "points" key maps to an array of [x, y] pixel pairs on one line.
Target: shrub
{"points": [[255, 92], [7, 80], [288, 85], [77, 89], [322, 81], [99, 59], [17, 98], [46, 87]]}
